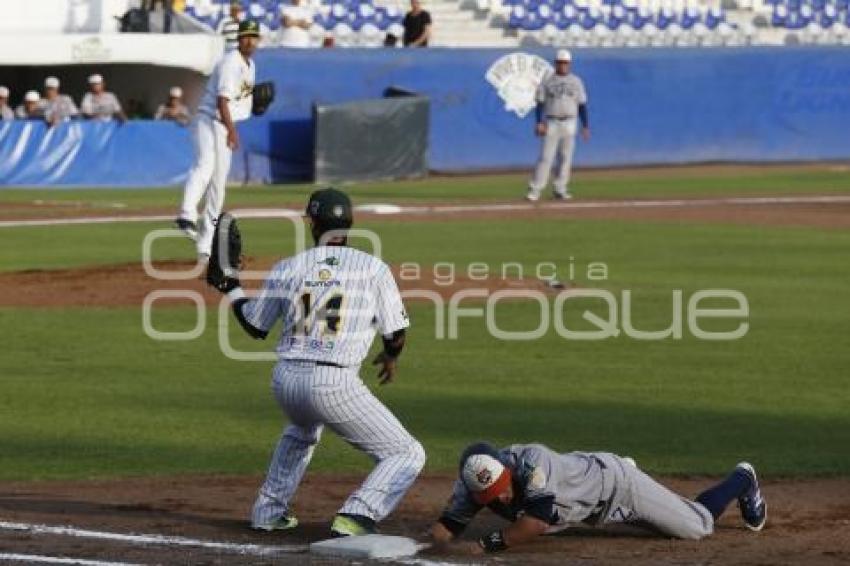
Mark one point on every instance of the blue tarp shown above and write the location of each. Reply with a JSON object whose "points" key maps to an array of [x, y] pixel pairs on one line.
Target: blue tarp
{"points": [[93, 154], [647, 106]]}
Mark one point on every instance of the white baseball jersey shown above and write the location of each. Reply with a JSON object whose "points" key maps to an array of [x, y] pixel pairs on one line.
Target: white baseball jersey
{"points": [[60, 108], [332, 299], [295, 36], [103, 106], [561, 95], [232, 78]]}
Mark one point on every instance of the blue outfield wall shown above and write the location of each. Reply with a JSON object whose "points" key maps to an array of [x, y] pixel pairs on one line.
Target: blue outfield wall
{"points": [[647, 106]]}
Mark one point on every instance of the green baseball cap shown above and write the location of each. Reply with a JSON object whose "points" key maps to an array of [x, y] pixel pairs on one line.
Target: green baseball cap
{"points": [[249, 28]]}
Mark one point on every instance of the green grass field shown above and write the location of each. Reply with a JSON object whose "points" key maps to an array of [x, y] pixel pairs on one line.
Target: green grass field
{"points": [[85, 393]]}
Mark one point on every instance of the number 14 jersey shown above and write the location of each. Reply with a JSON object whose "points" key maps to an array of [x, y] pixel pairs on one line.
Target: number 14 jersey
{"points": [[332, 300]]}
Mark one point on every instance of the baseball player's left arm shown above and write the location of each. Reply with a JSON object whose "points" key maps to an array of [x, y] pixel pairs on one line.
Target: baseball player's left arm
{"points": [[540, 99], [582, 112], [393, 321], [456, 516], [117, 111], [258, 315]]}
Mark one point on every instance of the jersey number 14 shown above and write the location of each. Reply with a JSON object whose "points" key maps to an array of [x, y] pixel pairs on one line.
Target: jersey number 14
{"points": [[329, 315]]}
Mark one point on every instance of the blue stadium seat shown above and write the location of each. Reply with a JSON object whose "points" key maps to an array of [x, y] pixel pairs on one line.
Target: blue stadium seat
{"points": [[714, 18], [532, 22], [664, 18], [586, 21], [326, 21], [689, 17], [561, 21], [381, 19], [516, 17], [795, 20]]}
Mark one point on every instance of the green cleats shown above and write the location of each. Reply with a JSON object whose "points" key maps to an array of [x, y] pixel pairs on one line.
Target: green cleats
{"points": [[280, 524], [352, 526]]}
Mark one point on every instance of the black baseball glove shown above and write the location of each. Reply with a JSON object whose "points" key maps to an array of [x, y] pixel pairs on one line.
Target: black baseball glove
{"points": [[226, 255], [263, 97]]}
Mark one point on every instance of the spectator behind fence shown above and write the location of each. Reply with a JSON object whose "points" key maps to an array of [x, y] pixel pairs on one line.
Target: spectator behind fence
{"points": [[174, 109], [417, 26], [57, 107], [295, 25], [6, 113], [100, 104], [229, 27], [32, 108]]}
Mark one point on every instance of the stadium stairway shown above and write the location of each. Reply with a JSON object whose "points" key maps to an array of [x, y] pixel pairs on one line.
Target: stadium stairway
{"points": [[457, 23]]}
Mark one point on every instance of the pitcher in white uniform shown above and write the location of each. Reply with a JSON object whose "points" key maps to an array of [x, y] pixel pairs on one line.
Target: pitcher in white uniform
{"points": [[227, 100], [332, 299], [561, 102]]}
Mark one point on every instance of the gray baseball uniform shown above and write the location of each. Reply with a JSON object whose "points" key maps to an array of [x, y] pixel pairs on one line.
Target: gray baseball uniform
{"points": [[332, 299], [560, 95], [60, 109], [22, 114], [103, 106], [179, 114], [6, 113], [582, 487]]}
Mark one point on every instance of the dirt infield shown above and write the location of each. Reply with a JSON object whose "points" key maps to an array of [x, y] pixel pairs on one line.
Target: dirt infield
{"points": [[125, 285], [128, 285], [809, 523]]}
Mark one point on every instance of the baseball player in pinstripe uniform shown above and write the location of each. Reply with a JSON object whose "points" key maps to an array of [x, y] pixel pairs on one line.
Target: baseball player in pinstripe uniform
{"points": [[332, 299], [227, 100], [542, 492], [561, 99]]}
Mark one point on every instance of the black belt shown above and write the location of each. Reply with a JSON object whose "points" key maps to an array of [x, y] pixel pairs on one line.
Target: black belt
{"points": [[318, 363], [560, 118]]}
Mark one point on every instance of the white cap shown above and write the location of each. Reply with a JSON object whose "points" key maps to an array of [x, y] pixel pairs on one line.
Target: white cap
{"points": [[51, 82], [485, 477], [4, 92], [95, 79], [175, 92], [564, 55], [32, 96]]}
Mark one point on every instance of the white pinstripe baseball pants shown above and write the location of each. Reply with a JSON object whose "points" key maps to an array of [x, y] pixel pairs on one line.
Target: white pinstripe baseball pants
{"points": [[313, 396]]}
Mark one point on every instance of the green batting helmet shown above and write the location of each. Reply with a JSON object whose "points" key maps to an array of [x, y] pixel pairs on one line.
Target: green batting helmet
{"points": [[330, 209]]}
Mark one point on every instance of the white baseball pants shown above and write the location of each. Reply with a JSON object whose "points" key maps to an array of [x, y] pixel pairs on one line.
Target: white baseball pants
{"points": [[559, 142], [313, 396], [207, 178]]}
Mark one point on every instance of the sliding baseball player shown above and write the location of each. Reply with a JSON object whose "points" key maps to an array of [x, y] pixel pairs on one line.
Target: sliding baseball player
{"points": [[542, 491]]}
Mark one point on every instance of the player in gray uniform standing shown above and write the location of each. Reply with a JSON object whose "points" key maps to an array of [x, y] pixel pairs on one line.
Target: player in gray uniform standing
{"points": [[58, 107], [100, 104], [561, 102], [332, 299], [6, 112], [542, 491]]}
